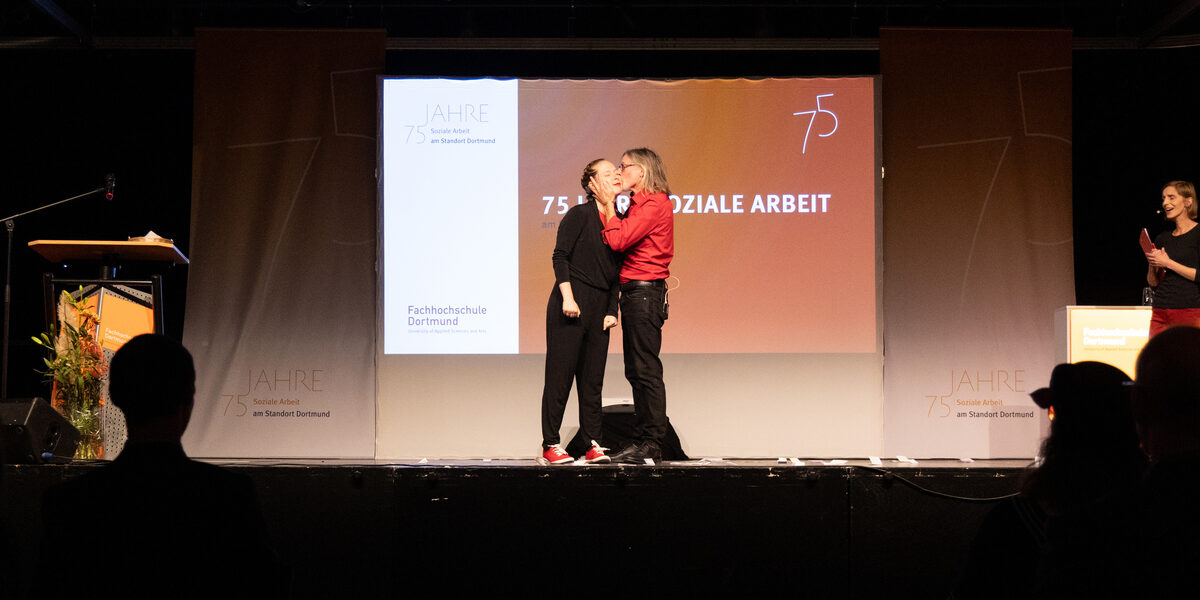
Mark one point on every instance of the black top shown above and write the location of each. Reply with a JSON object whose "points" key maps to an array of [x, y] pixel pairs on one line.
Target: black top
{"points": [[1173, 290], [166, 526], [1013, 534], [581, 256]]}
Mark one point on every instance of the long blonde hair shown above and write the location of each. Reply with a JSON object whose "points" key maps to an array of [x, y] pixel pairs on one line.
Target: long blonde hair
{"points": [[654, 176]]}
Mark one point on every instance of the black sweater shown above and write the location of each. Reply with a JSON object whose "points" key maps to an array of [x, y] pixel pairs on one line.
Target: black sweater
{"points": [[1173, 290], [581, 256]]}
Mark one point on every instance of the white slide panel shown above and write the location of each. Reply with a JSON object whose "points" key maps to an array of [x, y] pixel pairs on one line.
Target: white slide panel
{"points": [[450, 255]]}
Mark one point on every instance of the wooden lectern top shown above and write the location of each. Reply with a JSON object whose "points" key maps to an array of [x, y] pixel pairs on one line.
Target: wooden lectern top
{"points": [[68, 250]]}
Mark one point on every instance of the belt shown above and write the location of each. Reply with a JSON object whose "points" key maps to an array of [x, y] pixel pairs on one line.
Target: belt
{"points": [[635, 283]]}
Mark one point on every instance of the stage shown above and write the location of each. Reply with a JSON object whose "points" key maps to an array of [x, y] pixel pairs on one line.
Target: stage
{"points": [[827, 529]]}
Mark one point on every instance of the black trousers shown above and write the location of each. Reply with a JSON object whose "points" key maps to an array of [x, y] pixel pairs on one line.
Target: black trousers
{"points": [[576, 350], [643, 312]]}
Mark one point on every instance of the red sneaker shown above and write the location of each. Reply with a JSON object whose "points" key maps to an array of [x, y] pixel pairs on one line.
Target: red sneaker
{"points": [[555, 455], [595, 454]]}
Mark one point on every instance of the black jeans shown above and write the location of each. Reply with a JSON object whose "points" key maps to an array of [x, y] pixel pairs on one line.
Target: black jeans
{"points": [[643, 312], [576, 350]]}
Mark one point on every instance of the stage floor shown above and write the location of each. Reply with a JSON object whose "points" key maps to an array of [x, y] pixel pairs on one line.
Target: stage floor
{"points": [[755, 463], [832, 528]]}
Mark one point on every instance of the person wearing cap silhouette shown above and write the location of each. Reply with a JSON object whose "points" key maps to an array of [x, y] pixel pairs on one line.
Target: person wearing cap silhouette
{"points": [[1092, 452], [1144, 544]]}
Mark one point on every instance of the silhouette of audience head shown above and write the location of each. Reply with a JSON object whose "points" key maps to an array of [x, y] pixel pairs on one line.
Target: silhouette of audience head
{"points": [[1093, 428], [153, 381], [1091, 404], [1167, 394], [165, 521]]}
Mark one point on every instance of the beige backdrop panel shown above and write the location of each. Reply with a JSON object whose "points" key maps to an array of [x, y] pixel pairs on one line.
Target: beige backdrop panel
{"points": [[281, 288], [977, 235]]}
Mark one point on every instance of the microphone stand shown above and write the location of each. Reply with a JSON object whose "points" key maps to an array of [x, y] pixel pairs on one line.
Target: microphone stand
{"points": [[9, 225]]}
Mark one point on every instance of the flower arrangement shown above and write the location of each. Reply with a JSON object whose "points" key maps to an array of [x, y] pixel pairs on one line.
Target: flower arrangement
{"points": [[75, 366]]}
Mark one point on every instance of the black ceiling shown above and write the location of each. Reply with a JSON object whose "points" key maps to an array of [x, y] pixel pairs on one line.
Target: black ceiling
{"points": [[547, 23]]}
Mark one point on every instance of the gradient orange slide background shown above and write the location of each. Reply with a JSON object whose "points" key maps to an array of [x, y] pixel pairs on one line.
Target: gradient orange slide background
{"points": [[747, 283]]}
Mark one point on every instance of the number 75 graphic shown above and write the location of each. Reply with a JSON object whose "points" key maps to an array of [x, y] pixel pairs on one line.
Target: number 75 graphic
{"points": [[813, 119]]}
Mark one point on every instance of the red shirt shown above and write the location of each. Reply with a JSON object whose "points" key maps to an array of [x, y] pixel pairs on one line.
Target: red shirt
{"points": [[646, 235]]}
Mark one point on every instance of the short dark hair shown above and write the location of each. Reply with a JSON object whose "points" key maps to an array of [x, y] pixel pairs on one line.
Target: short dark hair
{"points": [[589, 172], [151, 376]]}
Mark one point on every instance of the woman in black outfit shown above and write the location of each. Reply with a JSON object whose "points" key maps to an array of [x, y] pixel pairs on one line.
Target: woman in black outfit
{"points": [[1173, 262], [582, 308]]}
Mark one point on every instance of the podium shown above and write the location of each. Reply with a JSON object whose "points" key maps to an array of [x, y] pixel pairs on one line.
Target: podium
{"points": [[1108, 334], [109, 255], [125, 307]]}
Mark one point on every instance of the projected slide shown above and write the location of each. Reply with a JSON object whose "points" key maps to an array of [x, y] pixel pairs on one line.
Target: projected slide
{"points": [[450, 217], [773, 183]]}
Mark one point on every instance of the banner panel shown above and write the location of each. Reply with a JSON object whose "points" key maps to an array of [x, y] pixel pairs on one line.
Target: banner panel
{"points": [[281, 289], [977, 235]]}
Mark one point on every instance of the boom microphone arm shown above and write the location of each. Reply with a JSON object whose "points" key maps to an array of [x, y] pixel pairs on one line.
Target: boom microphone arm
{"points": [[9, 225]]}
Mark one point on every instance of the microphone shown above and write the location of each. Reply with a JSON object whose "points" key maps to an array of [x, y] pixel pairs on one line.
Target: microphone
{"points": [[110, 181]]}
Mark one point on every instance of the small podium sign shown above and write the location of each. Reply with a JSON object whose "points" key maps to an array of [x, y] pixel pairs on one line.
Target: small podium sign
{"points": [[1108, 334]]}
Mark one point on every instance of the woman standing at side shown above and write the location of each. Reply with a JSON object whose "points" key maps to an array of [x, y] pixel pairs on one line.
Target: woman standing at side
{"points": [[1173, 262], [582, 308]]}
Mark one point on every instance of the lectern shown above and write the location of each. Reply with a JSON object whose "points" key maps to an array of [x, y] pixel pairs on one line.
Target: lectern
{"points": [[125, 307], [1108, 334], [109, 255]]}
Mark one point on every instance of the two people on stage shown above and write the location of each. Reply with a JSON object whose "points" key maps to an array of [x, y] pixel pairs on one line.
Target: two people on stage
{"points": [[1173, 261], [597, 254]]}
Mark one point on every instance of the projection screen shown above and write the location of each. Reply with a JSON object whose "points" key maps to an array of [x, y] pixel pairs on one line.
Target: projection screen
{"points": [[774, 286]]}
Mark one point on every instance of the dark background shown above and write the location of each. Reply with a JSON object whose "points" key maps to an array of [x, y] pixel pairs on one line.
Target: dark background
{"points": [[99, 86]]}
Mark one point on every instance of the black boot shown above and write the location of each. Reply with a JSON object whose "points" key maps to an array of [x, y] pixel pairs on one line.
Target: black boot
{"points": [[638, 453], [633, 449]]}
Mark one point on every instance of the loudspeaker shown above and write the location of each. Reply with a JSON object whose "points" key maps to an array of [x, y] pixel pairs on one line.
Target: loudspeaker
{"points": [[30, 429]]}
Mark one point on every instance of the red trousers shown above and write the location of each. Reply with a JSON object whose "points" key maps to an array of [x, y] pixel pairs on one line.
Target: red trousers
{"points": [[1162, 318]]}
